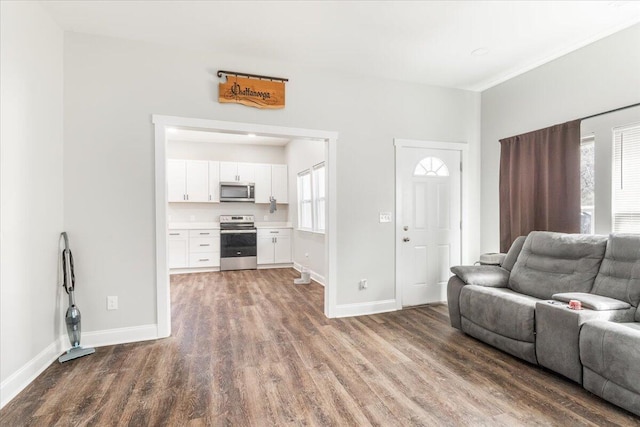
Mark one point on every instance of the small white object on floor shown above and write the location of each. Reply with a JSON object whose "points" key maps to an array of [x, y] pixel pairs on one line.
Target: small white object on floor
{"points": [[305, 279]]}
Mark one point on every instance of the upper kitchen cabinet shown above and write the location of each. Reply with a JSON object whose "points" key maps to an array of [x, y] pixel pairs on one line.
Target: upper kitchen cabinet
{"points": [[214, 181], [237, 172], [279, 187], [189, 181], [271, 180], [177, 180], [263, 183]]}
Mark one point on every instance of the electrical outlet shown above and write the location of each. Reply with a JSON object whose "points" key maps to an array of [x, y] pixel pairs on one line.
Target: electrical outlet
{"points": [[112, 303], [306, 254], [363, 284], [385, 216]]}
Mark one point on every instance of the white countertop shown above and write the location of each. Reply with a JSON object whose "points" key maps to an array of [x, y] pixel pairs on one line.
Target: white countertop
{"points": [[216, 225], [194, 225], [273, 225]]}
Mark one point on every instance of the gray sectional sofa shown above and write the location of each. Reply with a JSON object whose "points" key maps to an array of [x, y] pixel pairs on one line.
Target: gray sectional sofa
{"points": [[521, 308]]}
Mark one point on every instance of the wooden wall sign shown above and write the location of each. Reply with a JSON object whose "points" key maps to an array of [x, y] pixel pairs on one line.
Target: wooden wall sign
{"points": [[252, 92]]}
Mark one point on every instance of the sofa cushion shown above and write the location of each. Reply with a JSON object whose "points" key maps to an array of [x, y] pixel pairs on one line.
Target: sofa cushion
{"points": [[513, 253], [619, 275], [551, 263], [592, 301], [608, 390], [611, 350], [638, 315], [483, 275], [500, 310]]}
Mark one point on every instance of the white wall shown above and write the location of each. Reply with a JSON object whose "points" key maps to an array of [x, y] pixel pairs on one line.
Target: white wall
{"points": [[247, 153], [308, 247], [31, 204], [210, 212], [113, 86], [602, 76]]}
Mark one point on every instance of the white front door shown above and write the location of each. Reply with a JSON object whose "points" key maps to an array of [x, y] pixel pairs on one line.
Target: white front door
{"points": [[428, 222]]}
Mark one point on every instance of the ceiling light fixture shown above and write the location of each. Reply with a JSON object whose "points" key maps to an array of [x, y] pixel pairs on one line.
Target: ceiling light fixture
{"points": [[480, 52], [251, 135]]}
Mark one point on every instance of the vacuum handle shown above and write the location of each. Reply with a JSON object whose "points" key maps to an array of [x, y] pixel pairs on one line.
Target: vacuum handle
{"points": [[68, 274]]}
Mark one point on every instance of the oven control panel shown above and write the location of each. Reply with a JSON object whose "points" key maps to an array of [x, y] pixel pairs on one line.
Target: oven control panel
{"points": [[236, 218]]}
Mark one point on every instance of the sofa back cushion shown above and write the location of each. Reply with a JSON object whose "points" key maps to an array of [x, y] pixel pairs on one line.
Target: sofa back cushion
{"points": [[513, 253], [638, 315], [552, 263], [619, 275]]}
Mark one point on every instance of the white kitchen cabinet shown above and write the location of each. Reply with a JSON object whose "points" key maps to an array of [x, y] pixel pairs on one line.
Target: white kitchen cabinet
{"points": [[197, 181], [263, 183], [271, 181], [204, 248], [192, 181], [178, 249], [237, 172], [176, 180], [194, 248], [279, 186], [274, 246], [214, 181]]}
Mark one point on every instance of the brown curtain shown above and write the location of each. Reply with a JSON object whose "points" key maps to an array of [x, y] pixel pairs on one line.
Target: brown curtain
{"points": [[540, 182]]}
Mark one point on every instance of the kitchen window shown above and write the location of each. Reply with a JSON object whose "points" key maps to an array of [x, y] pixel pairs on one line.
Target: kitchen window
{"points": [[312, 199], [305, 202], [319, 197]]}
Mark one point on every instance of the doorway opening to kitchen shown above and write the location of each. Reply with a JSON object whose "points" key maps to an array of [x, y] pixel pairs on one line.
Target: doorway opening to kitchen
{"points": [[290, 162]]}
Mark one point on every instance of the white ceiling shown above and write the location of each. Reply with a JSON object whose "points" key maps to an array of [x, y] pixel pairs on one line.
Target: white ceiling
{"points": [[419, 41]]}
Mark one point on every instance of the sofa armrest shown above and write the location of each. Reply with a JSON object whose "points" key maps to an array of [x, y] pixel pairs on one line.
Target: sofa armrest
{"points": [[593, 301], [483, 275]]}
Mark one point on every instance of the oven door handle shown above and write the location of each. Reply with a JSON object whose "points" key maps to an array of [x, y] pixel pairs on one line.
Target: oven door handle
{"points": [[238, 231]]}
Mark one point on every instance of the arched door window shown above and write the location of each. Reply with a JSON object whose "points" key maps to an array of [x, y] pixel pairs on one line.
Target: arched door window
{"points": [[431, 166]]}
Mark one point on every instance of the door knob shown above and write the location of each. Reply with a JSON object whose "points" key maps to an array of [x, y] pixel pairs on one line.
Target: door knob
{"points": [[406, 239]]}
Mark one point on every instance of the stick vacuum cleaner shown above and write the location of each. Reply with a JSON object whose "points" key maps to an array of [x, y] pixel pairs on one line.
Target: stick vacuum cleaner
{"points": [[72, 318]]}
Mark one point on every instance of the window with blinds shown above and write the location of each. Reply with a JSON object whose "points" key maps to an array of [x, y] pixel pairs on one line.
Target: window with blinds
{"points": [[305, 201], [626, 179]]}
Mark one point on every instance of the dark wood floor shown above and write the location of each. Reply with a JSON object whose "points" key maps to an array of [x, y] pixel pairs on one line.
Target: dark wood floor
{"points": [[251, 348]]}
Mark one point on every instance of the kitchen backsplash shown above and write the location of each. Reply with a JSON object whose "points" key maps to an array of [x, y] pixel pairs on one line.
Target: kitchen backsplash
{"points": [[210, 212]]}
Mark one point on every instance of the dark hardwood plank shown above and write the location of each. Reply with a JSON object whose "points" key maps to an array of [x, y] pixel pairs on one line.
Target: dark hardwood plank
{"points": [[251, 348]]}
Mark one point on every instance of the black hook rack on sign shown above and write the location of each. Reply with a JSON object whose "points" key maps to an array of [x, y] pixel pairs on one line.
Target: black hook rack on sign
{"points": [[254, 76]]}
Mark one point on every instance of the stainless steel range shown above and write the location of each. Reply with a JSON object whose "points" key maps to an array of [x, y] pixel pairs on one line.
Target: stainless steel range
{"points": [[238, 238]]}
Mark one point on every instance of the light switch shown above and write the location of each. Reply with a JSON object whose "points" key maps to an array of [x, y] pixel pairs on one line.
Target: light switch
{"points": [[385, 216]]}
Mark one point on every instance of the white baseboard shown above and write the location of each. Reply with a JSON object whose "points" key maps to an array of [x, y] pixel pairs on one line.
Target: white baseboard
{"points": [[193, 270], [315, 276], [269, 266], [120, 336], [20, 379], [365, 308], [25, 375]]}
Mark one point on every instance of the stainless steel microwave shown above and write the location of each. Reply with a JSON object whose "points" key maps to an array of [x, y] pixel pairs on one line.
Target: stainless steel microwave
{"points": [[237, 192]]}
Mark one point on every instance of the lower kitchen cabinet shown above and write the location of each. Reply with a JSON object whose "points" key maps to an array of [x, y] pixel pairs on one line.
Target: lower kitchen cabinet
{"points": [[194, 248], [274, 246], [178, 249]]}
